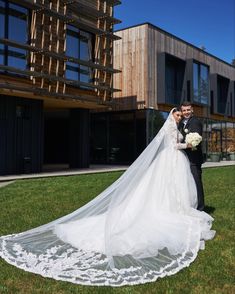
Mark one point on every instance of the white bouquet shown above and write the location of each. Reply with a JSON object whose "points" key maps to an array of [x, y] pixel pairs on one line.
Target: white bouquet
{"points": [[194, 139]]}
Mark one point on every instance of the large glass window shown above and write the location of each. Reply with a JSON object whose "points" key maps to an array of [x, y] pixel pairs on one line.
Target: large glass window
{"points": [[214, 135], [233, 99], [17, 30], [72, 71], [117, 137], [2, 29], [224, 140], [79, 45], [122, 136], [155, 121], [200, 83], [230, 127], [222, 93], [175, 70], [140, 117], [13, 26]]}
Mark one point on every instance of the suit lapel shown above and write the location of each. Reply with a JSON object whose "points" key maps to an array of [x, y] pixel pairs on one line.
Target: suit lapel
{"points": [[181, 127], [188, 123]]}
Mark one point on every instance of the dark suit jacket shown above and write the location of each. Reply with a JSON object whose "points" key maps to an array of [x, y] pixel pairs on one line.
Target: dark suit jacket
{"points": [[193, 125]]}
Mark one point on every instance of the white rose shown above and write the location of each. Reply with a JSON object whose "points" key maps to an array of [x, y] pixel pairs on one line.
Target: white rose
{"points": [[186, 131], [194, 139]]}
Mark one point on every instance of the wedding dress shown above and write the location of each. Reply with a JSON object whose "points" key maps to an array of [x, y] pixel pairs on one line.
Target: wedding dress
{"points": [[142, 227]]}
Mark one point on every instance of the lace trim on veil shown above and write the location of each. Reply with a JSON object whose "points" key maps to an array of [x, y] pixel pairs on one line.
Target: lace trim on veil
{"points": [[41, 251]]}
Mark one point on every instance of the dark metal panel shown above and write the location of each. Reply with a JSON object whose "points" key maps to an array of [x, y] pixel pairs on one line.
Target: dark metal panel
{"points": [[79, 151], [37, 132], [189, 76], [161, 69], [10, 135], [3, 137], [213, 90], [21, 135]]}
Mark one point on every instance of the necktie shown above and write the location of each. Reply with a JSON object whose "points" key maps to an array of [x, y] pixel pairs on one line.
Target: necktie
{"points": [[185, 123]]}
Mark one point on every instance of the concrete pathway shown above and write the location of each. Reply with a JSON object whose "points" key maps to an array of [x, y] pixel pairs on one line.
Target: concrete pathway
{"points": [[218, 164], [3, 184], [4, 180], [65, 172]]}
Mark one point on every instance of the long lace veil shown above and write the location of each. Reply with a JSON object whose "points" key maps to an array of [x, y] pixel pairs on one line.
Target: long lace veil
{"points": [[39, 250]]}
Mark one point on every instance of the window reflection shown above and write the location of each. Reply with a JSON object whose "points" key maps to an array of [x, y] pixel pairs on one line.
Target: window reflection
{"points": [[72, 71], [2, 30], [204, 84], [13, 26], [230, 135], [17, 30], [156, 120], [120, 137], [16, 58], [85, 74], [72, 44], [175, 70], [79, 45], [195, 82], [234, 98], [200, 83], [222, 93], [117, 137], [1, 54], [214, 140], [85, 45], [121, 141], [2, 20]]}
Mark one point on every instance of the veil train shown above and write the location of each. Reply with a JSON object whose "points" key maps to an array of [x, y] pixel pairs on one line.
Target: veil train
{"points": [[142, 227]]}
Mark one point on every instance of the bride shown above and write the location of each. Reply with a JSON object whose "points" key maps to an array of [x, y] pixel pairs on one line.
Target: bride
{"points": [[142, 227]]}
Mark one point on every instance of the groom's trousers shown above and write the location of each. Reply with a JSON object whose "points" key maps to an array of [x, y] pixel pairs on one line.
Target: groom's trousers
{"points": [[196, 171]]}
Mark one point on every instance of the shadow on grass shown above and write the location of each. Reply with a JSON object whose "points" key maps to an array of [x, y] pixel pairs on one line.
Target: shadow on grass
{"points": [[209, 209]]}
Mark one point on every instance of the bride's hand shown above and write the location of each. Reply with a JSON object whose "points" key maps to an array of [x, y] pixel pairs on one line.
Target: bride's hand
{"points": [[189, 145]]}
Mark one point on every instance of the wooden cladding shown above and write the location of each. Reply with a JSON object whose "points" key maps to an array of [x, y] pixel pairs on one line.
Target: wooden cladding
{"points": [[47, 48], [142, 53], [131, 57]]}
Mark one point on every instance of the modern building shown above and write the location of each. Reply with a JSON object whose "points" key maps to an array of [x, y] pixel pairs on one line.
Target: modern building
{"points": [[157, 72], [56, 64]]}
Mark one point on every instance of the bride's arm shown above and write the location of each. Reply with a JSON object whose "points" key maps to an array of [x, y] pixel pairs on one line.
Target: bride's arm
{"points": [[181, 146], [173, 137]]}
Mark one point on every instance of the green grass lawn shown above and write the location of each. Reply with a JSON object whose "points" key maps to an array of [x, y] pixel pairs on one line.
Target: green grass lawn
{"points": [[26, 204]]}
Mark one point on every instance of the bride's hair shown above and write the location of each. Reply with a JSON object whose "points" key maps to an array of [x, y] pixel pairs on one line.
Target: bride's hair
{"points": [[176, 109]]}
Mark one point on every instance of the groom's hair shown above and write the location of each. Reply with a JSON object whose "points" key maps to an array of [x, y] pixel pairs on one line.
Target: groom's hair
{"points": [[186, 103]]}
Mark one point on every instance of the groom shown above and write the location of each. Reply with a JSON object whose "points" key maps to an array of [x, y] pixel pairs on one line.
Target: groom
{"points": [[190, 124]]}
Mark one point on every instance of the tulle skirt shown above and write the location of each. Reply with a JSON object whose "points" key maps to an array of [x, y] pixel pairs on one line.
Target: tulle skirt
{"points": [[154, 232]]}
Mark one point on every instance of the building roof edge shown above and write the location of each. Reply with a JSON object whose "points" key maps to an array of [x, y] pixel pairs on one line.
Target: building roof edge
{"points": [[174, 36]]}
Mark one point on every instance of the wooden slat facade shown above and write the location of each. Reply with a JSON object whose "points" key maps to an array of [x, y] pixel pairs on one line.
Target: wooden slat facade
{"points": [[131, 57], [140, 55], [44, 111], [46, 49]]}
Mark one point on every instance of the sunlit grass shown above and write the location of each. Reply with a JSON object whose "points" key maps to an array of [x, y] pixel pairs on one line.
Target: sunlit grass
{"points": [[29, 203]]}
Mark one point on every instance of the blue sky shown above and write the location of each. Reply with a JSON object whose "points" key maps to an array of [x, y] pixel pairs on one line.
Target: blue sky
{"points": [[210, 23]]}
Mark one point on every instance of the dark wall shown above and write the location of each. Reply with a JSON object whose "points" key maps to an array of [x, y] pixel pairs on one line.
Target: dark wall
{"points": [[21, 135], [79, 147], [117, 137], [172, 79], [56, 140], [66, 139]]}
